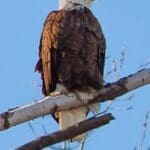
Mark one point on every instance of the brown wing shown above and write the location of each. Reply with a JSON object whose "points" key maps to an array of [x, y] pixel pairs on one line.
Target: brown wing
{"points": [[46, 53], [78, 35], [94, 28], [101, 48]]}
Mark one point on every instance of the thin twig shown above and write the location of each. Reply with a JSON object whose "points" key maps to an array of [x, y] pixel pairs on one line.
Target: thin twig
{"points": [[145, 127]]}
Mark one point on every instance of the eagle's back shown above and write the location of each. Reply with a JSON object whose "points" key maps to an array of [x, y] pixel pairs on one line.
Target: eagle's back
{"points": [[72, 50]]}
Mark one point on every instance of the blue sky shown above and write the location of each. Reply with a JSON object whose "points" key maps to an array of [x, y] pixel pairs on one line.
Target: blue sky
{"points": [[126, 26]]}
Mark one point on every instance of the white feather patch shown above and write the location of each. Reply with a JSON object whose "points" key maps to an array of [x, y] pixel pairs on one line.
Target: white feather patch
{"points": [[69, 4]]}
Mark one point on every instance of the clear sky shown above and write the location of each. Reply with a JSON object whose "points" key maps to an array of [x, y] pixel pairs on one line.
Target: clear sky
{"points": [[126, 26]]}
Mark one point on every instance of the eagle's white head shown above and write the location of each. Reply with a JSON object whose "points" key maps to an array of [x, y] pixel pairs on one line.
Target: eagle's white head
{"points": [[74, 4]]}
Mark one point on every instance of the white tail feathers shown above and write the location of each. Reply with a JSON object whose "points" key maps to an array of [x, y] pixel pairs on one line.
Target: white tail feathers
{"points": [[71, 117]]}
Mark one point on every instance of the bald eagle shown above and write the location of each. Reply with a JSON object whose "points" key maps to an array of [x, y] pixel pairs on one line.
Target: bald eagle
{"points": [[71, 56]]}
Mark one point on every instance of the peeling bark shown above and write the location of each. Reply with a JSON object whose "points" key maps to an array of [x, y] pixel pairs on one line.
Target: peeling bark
{"points": [[52, 104]]}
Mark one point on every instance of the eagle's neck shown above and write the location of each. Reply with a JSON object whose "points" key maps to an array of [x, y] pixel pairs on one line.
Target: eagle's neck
{"points": [[74, 4]]}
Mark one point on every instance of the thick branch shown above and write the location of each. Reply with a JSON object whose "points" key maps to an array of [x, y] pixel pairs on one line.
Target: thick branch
{"points": [[62, 102], [67, 134]]}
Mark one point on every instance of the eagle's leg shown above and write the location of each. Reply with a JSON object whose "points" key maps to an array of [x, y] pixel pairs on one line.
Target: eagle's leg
{"points": [[85, 94], [60, 89]]}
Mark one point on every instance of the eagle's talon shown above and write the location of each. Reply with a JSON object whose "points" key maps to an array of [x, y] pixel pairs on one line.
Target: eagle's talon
{"points": [[56, 93]]}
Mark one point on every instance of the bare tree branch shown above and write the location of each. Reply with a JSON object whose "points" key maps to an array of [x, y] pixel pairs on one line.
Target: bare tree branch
{"points": [[52, 104], [67, 134]]}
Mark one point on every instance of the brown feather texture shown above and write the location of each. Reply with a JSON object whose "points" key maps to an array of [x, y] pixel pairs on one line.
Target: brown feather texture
{"points": [[71, 51]]}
